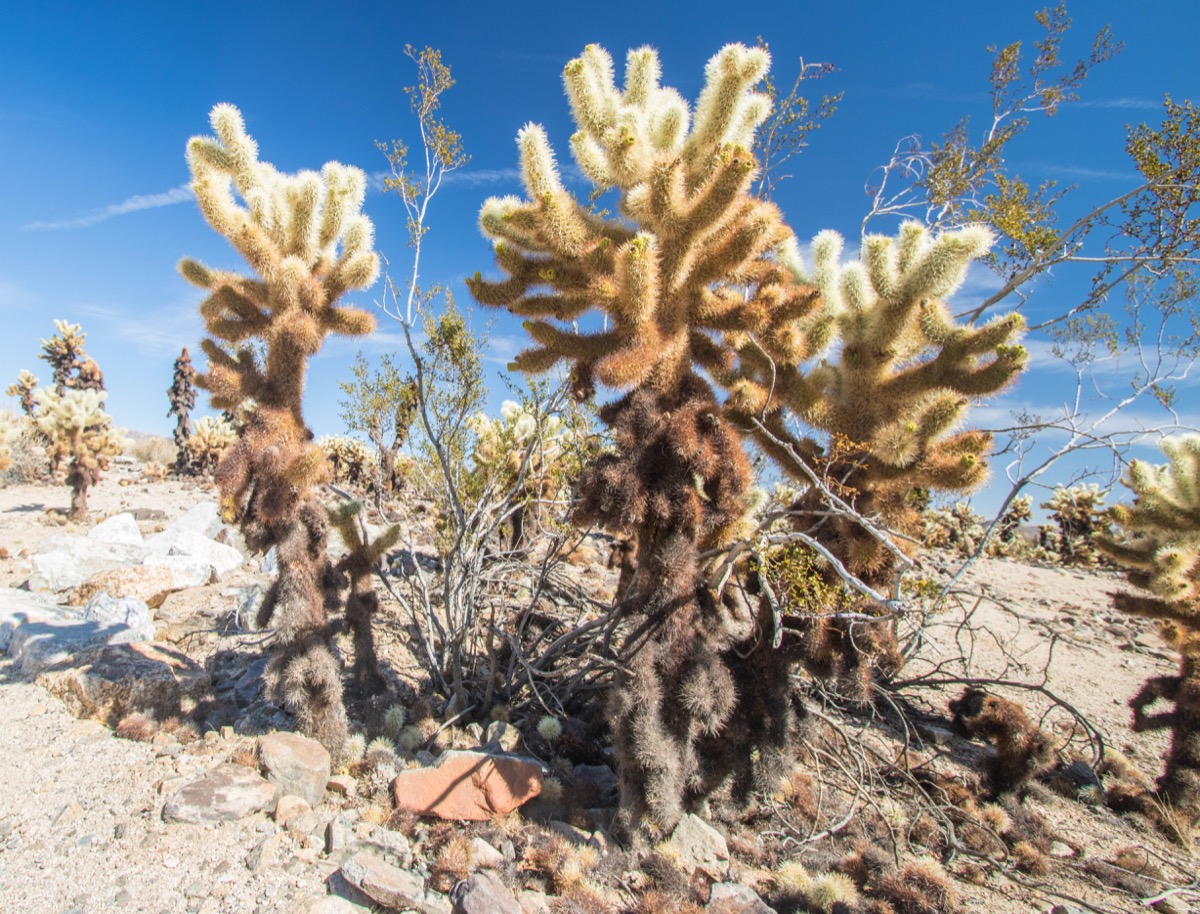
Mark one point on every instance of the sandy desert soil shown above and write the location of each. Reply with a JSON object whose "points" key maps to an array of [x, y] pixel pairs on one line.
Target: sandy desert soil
{"points": [[81, 828]]}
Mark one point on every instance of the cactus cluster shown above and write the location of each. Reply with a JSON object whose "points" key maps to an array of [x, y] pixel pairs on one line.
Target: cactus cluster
{"points": [[513, 447], [210, 438], [1159, 547], [81, 432], [308, 244], [350, 461], [1079, 515], [182, 395]]}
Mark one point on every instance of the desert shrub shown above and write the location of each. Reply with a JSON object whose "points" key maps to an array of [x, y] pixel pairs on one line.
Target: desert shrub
{"points": [[1078, 511]]}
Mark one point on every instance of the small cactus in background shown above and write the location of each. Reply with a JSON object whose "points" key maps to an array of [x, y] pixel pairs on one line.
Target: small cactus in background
{"points": [[958, 528], [182, 394], [350, 461], [308, 244], [1009, 539], [1079, 513], [73, 370], [23, 388], [80, 432], [1159, 547], [211, 437]]}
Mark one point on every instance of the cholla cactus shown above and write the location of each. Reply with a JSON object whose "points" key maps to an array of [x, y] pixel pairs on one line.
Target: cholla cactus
{"points": [[73, 370], [23, 388], [9, 431], [206, 445], [959, 528], [691, 262], [512, 448], [306, 240], [350, 460], [883, 407], [182, 394], [80, 431], [1079, 512], [1159, 547]]}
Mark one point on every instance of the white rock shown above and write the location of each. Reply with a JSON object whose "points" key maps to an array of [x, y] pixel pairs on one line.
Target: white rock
{"points": [[204, 518], [58, 571], [37, 645], [186, 570], [128, 611], [223, 559], [700, 847], [20, 606], [270, 561], [118, 530]]}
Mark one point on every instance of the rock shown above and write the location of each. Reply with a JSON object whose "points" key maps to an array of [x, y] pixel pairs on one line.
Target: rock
{"points": [[486, 856], [185, 570], [20, 606], [68, 814], [223, 559], [484, 893], [272, 850], [391, 886], [1061, 849], [392, 843], [332, 904], [731, 898], [295, 764], [226, 793], [150, 585], [289, 806], [130, 611], [34, 646], [468, 785], [570, 832], [700, 847], [59, 570], [599, 778], [344, 785], [111, 682], [503, 736], [118, 530], [270, 562], [533, 902], [303, 824]]}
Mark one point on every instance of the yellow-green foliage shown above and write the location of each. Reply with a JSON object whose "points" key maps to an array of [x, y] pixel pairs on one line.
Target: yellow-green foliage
{"points": [[79, 430], [1159, 547], [886, 402], [211, 437], [307, 244]]}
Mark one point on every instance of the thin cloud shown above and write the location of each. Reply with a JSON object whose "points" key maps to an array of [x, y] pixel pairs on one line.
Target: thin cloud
{"points": [[1127, 102], [1083, 172], [134, 204]]}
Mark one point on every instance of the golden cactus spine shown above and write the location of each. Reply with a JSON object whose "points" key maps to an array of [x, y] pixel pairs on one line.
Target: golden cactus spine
{"points": [[1159, 548], [308, 244], [690, 263]]}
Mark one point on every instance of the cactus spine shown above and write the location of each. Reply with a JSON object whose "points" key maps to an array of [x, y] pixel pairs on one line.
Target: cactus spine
{"points": [[689, 264], [182, 394], [1159, 547], [308, 244]]}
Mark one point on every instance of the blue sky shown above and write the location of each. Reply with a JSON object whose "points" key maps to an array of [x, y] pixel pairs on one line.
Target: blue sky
{"points": [[99, 100]]}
